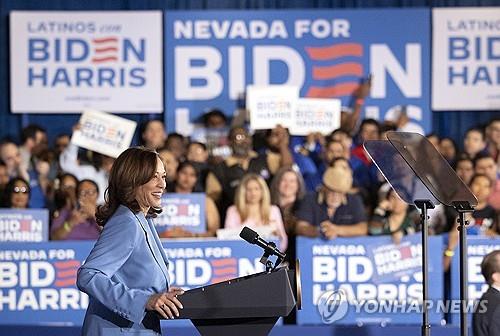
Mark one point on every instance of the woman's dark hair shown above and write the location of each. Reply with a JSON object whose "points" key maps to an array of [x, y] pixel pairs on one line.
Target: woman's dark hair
{"points": [[185, 164], [477, 129], [5, 201], [63, 176], [476, 176], [145, 125], [274, 189], [61, 195], [201, 144], [79, 185], [132, 169]]}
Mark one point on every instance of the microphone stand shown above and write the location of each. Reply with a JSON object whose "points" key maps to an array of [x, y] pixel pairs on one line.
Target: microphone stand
{"points": [[265, 259]]}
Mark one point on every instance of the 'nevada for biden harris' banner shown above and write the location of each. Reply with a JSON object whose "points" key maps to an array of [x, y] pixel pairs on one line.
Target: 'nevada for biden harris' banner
{"points": [[211, 57]]}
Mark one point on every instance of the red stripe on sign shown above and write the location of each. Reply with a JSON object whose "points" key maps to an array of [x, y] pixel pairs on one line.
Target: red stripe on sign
{"points": [[330, 72], [104, 59], [225, 271], [67, 273], [25, 225], [335, 51], [67, 264], [66, 282], [105, 40], [339, 90], [223, 262], [101, 50]]}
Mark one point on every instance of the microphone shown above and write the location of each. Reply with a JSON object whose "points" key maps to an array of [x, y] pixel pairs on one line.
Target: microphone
{"points": [[253, 238]]}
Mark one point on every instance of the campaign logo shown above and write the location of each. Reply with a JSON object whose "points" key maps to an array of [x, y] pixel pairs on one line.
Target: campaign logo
{"points": [[341, 67], [65, 273], [105, 50], [224, 269]]}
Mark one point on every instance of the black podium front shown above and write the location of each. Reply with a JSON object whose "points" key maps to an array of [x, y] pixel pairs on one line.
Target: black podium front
{"points": [[249, 305]]}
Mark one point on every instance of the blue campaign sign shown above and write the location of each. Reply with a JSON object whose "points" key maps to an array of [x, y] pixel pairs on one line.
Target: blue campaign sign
{"points": [[204, 262], [186, 211], [28, 225], [38, 283], [38, 280], [210, 59], [366, 280], [477, 249]]}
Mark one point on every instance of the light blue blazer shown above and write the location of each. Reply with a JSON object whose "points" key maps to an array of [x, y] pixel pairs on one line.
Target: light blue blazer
{"points": [[126, 266]]}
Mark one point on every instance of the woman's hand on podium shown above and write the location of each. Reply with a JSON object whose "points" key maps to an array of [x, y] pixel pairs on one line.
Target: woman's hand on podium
{"points": [[166, 304]]}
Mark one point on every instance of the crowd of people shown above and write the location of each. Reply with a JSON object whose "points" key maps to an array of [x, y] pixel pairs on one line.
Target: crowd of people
{"points": [[321, 185]]}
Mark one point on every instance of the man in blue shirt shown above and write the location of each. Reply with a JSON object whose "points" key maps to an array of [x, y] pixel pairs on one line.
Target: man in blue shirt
{"points": [[332, 211]]}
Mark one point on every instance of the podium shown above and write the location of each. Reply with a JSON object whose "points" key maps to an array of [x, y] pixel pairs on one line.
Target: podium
{"points": [[249, 305]]}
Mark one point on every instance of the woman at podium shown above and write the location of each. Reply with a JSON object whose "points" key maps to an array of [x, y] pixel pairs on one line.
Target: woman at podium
{"points": [[126, 273]]}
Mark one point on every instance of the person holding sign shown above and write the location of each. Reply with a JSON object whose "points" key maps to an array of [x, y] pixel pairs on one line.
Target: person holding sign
{"points": [[16, 194], [126, 274], [78, 223], [224, 177], [393, 217], [97, 171], [252, 207], [185, 183]]}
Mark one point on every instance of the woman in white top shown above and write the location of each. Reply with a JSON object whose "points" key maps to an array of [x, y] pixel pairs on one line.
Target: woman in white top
{"points": [[99, 173], [252, 207]]}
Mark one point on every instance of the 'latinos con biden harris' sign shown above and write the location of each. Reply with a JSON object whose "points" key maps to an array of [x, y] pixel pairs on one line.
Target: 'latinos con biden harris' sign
{"points": [[466, 58], [111, 61]]}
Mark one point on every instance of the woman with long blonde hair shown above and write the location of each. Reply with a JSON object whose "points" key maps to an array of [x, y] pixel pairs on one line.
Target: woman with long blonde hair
{"points": [[252, 207]]}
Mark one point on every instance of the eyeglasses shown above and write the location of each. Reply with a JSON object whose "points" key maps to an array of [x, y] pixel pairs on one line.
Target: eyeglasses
{"points": [[239, 137], [19, 190], [85, 193]]}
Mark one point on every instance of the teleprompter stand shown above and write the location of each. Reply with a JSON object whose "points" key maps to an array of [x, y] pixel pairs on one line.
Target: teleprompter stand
{"points": [[421, 176]]}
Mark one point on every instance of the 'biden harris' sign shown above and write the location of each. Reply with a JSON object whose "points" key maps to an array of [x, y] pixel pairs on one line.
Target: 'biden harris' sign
{"points": [[69, 61]]}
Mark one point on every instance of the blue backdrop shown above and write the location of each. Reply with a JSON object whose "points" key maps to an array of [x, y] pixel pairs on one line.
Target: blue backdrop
{"points": [[324, 53], [446, 123]]}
